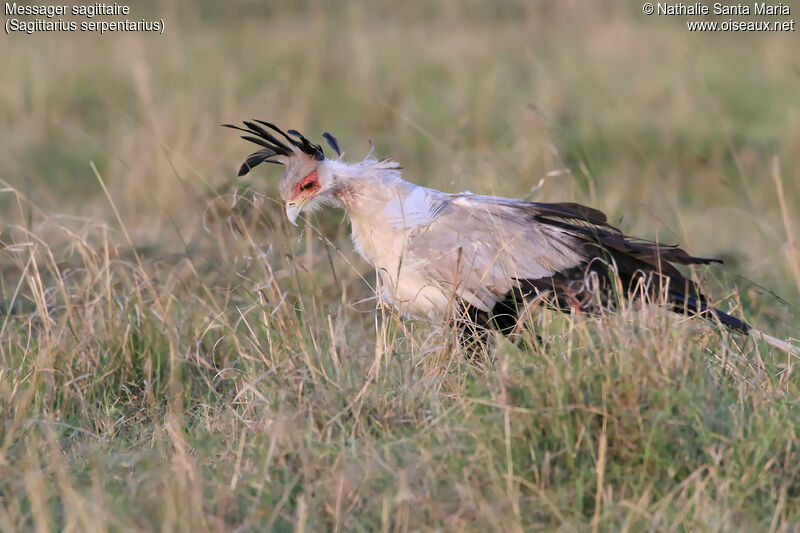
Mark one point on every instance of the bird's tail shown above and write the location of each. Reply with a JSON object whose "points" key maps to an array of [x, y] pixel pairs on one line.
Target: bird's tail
{"points": [[775, 342], [681, 302]]}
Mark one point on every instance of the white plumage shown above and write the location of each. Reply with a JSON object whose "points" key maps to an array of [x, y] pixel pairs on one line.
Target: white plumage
{"points": [[443, 256]]}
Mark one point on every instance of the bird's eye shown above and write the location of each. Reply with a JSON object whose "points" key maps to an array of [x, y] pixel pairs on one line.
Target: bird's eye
{"points": [[307, 184]]}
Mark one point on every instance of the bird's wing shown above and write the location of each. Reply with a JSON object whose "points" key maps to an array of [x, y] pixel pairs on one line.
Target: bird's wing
{"points": [[479, 247]]}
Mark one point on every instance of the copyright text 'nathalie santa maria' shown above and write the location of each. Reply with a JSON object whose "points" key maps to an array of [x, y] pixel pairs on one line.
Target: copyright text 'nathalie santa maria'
{"points": [[722, 16]]}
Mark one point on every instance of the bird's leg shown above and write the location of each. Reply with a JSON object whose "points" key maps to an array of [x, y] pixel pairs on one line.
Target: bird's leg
{"points": [[472, 329]]}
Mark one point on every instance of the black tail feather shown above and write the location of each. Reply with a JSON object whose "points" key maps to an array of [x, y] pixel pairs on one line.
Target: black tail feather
{"points": [[681, 303]]}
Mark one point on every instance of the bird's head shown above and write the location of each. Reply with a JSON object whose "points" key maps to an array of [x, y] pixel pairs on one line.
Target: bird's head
{"points": [[307, 181]]}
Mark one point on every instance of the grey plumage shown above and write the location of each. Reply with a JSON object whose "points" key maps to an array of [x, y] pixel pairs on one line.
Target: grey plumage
{"points": [[443, 256]]}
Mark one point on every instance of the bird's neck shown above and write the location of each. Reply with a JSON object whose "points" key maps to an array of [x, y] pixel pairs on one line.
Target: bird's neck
{"points": [[364, 190]]}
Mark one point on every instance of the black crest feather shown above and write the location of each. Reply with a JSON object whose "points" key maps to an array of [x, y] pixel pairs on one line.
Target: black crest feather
{"points": [[314, 150], [275, 146], [332, 142], [256, 159]]}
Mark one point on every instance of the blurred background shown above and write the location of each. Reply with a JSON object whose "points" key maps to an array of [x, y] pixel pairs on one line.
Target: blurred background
{"points": [[175, 355], [676, 135]]}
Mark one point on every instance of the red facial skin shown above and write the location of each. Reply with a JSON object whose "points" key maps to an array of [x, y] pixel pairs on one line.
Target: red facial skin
{"points": [[307, 187]]}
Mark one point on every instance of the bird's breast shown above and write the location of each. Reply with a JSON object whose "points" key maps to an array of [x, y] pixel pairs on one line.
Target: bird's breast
{"points": [[415, 296], [410, 292], [381, 247]]}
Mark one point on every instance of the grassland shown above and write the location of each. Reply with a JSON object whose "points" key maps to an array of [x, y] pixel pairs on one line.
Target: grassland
{"points": [[174, 356]]}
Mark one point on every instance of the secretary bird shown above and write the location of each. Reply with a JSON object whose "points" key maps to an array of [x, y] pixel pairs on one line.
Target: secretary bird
{"points": [[477, 260]]}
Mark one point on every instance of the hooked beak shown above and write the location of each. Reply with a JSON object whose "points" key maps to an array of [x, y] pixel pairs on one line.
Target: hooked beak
{"points": [[293, 211]]}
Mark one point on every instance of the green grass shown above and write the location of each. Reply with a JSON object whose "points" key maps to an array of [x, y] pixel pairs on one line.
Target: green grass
{"points": [[175, 356]]}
